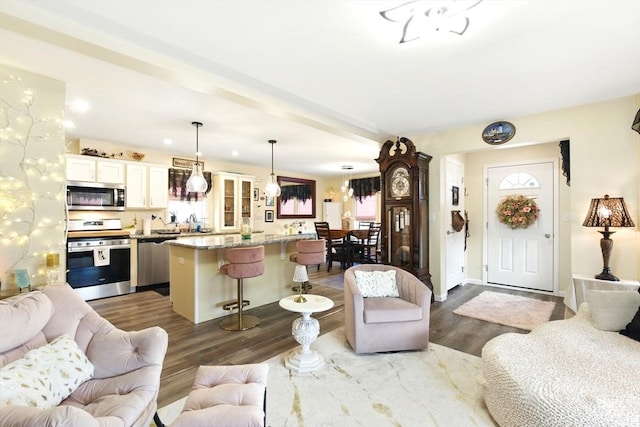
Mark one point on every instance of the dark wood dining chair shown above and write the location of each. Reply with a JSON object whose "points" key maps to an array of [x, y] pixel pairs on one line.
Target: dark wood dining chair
{"points": [[336, 249], [368, 248]]}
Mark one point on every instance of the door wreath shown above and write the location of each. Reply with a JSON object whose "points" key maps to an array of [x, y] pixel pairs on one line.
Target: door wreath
{"points": [[517, 211]]}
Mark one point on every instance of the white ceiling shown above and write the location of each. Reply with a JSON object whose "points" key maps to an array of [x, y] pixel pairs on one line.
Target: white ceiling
{"points": [[327, 79]]}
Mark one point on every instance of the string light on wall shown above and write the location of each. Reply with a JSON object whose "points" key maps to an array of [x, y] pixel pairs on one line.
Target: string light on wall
{"points": [[272, 189], [347, 190]]}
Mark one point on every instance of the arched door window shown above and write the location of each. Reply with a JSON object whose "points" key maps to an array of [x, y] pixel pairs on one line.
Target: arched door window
{"points": [[518, 180]]}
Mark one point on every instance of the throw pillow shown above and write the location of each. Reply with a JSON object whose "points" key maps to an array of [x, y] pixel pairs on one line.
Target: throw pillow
{"points": [[633, 329], [612, 310], [377, 283], [45, 376]]}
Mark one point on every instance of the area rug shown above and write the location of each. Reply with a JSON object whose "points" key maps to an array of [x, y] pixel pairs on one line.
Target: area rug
{"points": [[434, 387], [509, 310]]}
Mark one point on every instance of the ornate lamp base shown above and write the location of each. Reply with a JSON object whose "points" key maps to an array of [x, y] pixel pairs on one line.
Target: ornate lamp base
{"points": [[305, 330]]}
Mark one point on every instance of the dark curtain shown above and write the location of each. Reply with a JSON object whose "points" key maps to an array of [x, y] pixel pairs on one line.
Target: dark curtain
{"points": [[566, 164], [301, 192], [178, 185], [364, 187]]}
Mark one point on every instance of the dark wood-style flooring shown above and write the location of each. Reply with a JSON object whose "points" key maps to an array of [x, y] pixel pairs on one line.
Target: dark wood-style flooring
{"points": [[206, 344]]}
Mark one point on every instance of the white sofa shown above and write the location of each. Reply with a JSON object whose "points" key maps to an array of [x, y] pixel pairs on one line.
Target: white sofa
{"points": [[122, 372], [564, 373]]}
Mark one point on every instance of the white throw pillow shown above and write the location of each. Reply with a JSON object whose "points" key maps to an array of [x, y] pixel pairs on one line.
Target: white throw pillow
{"points": [[45, 376], [612, 310], [377, 283]]}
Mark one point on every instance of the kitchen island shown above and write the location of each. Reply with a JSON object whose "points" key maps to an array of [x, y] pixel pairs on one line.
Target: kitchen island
{"points": [[198, 290]]}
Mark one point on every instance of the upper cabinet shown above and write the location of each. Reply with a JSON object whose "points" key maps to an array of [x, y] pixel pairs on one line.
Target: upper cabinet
{"points": [[147, 186], [232, 200], [91, 169]]}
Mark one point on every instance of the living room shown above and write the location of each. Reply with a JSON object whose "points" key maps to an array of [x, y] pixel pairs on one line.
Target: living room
{"points": [[605, 159]]}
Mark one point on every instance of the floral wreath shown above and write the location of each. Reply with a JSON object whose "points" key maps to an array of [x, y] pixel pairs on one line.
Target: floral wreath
{"points": [[517, 211]]}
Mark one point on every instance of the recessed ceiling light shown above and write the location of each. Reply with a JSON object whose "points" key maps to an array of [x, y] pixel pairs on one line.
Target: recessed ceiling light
{"points": [[167, 141], [234, 153], [68, 124], [79, 106]]}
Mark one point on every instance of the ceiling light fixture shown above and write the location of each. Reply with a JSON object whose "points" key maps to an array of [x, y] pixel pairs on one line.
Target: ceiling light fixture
{"points": [[427, 17], [272, 189], [346, 188], [196, 182]]}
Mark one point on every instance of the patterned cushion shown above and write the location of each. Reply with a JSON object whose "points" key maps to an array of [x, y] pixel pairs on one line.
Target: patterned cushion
{"points": [[377, 283], [45, 376]]}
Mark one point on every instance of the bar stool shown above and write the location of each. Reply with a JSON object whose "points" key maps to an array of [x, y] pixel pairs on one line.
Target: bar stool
{"points": [[243, 263], [310, 252]]}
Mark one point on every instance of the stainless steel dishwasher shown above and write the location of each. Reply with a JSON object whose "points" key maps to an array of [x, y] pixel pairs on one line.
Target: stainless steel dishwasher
{"points": [[153, 261]]}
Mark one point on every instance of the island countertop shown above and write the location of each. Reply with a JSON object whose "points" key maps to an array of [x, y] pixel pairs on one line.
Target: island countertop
{"points": [[235, 240]]}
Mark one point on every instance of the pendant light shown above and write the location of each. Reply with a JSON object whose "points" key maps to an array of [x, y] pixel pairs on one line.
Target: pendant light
{"points": [[196, 182], [272, 189]]}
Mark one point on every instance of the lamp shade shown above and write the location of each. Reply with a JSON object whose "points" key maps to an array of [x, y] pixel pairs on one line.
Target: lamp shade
{"points": [[608, 212], [636, 122], [300, 274]]}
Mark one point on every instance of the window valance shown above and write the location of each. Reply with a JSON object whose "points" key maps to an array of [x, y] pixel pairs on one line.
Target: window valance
{"points": [[364, 187], [301, 192], [178, 185]]}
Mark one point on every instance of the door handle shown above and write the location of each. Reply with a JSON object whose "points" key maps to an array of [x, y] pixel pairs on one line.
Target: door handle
{"points": [[547, 235], [449, 232]]}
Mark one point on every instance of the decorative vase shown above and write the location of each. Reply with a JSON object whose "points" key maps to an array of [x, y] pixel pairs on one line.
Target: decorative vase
{"points": [[245, 228]]}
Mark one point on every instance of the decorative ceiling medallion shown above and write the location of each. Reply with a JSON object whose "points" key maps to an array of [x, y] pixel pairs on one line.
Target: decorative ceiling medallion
{"points": [[498, 133]]}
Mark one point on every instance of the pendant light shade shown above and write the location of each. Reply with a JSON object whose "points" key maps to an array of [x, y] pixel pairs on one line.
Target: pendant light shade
{"points": [[272, 189], [196, 182]]}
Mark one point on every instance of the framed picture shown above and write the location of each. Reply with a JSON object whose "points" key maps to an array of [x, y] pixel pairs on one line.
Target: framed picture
{"points": [[186, 163], [256, 194], [498, 133], [269, 201], [268, 215], [455, 195]]}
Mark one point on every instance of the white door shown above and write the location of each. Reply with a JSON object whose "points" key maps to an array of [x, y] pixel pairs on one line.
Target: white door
{"points": [[521, 257], [454, 255]]}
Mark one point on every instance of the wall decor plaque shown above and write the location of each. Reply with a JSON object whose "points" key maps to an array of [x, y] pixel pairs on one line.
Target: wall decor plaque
{"points": [[185, 163], [498, 133]]}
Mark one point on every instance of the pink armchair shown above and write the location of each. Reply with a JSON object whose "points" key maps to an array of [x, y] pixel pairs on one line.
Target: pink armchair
{"points": [[377, 324], [127, 365]]}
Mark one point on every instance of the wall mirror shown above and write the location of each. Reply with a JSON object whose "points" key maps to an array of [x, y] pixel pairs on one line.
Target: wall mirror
{"points": [[297, 198]]}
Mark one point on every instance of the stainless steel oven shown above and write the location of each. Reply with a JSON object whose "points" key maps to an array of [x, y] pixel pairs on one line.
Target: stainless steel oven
{"points": [[98, 261]]}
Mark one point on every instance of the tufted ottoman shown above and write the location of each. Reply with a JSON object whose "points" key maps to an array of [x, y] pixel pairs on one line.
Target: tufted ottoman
{"points": [[226, 396]]}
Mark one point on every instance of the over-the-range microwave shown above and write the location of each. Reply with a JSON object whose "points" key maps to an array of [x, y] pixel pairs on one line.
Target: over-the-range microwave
{"points": [[95, 196]]}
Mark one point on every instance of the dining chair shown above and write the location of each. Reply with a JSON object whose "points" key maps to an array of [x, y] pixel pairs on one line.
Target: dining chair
{"points": [[335, 249], [368, 249]]}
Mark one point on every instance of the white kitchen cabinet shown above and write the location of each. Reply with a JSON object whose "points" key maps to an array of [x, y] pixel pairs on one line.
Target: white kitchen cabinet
{"points": [[147, 186], [232, 200], [84, 168]]}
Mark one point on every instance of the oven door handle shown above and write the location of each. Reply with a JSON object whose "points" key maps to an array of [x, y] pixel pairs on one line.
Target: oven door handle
{"points": [[91, 248]]}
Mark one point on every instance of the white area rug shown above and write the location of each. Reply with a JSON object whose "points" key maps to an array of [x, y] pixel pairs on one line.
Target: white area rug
{"points": [[505, 309], [434, 387]]}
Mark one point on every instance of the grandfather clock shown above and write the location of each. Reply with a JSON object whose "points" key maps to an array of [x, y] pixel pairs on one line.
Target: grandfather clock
{"points": [[404, 183]]}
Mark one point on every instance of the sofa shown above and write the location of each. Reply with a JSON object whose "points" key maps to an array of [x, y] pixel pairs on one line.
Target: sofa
{"points": [[73, 367], [385, 309], [581, 371]]}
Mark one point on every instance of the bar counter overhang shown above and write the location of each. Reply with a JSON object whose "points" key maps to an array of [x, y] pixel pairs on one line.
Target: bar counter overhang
{"points": [[198, 290]]}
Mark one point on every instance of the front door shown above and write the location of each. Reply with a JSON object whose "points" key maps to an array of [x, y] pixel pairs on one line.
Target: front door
{"points": [[521, 257]]}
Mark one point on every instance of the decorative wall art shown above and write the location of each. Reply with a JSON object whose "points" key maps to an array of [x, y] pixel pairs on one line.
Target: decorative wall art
{"points": [[498, 133], [455, 195], [256, 194], [268, 215], [186, 163], [269, 201]]}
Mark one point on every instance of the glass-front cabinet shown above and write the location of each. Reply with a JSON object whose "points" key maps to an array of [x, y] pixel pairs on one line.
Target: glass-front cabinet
{"points": [[232, 200]]}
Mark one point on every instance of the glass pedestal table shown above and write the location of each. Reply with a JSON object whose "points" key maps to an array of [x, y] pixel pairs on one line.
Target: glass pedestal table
{"points": [[305, 330]]}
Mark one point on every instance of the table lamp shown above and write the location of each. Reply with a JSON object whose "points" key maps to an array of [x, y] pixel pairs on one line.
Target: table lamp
{"points": [[300, 276], [607, 212]]}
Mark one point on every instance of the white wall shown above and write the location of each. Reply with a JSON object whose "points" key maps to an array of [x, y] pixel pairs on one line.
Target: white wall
{"points": [[604, 160], [32, 184]]}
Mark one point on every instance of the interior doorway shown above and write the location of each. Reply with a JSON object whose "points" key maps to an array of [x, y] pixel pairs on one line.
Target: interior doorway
{"points": [[455, 237], [522, 257]]}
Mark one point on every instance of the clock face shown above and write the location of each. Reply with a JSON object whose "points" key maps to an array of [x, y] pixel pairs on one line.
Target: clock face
{"points": [[400, 183]]}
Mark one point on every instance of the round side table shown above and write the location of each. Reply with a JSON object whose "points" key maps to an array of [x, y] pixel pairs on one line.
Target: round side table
{"points": [[305, 330]]}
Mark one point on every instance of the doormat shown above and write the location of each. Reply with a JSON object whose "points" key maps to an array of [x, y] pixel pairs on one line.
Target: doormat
{"points": [[506, 309], [164, 291]]}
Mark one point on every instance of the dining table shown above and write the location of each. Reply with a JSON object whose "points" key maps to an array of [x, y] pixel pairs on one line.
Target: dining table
{"points": [[346, 234]]}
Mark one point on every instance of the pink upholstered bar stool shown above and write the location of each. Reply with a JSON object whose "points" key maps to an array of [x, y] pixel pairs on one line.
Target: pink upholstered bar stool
{"points": [[310, 252], [243, 264]]}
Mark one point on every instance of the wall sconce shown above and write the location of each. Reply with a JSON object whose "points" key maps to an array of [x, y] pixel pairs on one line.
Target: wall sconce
{"points": [[607, 212], [636, 122]]}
